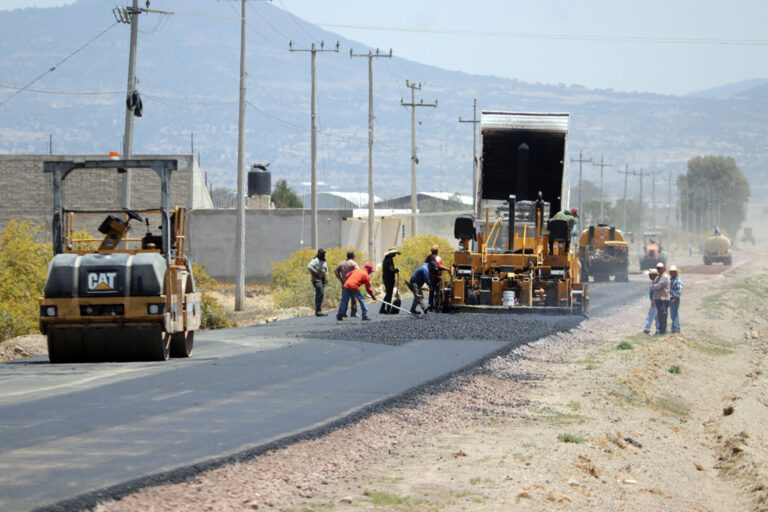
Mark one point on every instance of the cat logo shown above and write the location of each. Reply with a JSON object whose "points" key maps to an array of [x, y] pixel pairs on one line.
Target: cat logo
{"points": [[101, 281]]}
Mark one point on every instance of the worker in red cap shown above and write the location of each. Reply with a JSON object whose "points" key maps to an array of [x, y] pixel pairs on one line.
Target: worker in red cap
{"points": [[351, 290]]}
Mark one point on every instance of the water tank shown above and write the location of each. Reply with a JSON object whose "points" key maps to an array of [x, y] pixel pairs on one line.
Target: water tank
{"points": [[259, 181]]}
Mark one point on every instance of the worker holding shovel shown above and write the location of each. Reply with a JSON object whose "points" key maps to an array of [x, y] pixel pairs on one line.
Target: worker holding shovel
{"points": [[357, 278]]}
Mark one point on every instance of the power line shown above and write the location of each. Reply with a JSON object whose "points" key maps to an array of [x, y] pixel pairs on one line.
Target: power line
{"points": [[45, 90], [55, 66], [295, 20], [267, 22]]}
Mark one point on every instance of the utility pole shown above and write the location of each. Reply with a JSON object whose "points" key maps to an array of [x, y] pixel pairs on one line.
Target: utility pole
{"points": [[475, 121], [653, 201], [313, 50], [240, 234], [602, 166], [414, 159], [626, 174], [129, 15], [192, 144], [50, 144], [370, 55], [581, 212], [669, 205]]}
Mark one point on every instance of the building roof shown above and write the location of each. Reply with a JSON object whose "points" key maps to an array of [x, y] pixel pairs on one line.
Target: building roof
{"points": [[348, 199]]}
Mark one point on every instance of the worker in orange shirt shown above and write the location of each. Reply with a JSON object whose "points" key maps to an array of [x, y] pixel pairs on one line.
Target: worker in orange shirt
{"points": [[357, 278]]}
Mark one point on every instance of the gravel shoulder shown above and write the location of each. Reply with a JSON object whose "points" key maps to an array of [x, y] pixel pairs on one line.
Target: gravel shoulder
{"points": [[567, 422]]}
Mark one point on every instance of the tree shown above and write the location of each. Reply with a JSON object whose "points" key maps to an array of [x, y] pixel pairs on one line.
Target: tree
{"points": [[714, 190], [284, 197], [223, 197], [590, 190], [453, 204]]}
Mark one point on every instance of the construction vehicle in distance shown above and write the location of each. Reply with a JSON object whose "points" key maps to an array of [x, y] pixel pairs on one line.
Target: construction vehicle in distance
{"points": [[534, 269], [652, 253], [747, 236], [130, 298], [717, 249], [603, 252]]}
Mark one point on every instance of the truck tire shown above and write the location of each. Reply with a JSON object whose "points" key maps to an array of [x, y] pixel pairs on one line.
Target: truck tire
{"points": [[182, 343], [707, 261], [727, 261]]}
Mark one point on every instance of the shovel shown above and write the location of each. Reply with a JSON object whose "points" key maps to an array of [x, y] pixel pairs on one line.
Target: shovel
{"points": [[396, 307]]}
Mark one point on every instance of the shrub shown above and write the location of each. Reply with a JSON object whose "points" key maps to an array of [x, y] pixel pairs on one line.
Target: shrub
{"points": [[212, 312], [413, 252], [624, 345], [291, 283], [570, 438], [674, 369], [23, 269]]}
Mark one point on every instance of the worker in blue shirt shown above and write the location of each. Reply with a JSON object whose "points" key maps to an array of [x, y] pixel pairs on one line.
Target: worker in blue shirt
{"points": [[419, 278]]}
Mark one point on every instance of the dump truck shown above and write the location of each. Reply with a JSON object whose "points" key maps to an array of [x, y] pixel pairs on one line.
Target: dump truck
{"points": [[652, 253], [717, 249], [747, 236], [118, 298], [509, 264], [603, 253]]}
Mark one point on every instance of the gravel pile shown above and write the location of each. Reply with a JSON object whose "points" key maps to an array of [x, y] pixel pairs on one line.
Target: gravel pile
{"points": [[474, 326]]}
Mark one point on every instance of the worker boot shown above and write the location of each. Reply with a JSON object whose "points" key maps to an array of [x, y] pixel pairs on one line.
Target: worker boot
{"points": [[320, 313]]}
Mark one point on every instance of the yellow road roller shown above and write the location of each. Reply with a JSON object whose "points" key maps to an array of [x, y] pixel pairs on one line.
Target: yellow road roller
{"points": [[119, 298]]}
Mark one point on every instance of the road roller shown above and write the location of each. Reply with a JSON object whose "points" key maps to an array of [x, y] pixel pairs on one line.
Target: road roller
{"points": [[120, 297]]}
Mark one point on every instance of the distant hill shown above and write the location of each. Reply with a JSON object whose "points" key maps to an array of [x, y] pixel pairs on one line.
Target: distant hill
{"points": [[730, 90], [188, 72]]}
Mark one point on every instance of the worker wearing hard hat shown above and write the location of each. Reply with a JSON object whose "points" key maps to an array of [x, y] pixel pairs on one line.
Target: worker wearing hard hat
{"points": [[661, 297], [568, 216], [651, 316], [357, 278], [675, 291]]}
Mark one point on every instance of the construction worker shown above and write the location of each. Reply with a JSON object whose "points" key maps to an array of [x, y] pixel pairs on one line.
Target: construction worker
{"points": [[388, 273], [570, 217], [342, 271], [318, 271], [675, 291], [419, 278], [651, 316], [436, 268], [661, 297], [351, 290]]}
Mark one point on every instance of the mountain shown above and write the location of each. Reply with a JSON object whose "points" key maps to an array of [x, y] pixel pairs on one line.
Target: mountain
{"points": [[730, 90], [188, 70]]}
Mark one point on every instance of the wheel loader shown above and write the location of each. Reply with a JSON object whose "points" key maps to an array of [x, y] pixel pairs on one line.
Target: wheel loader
{"points": [[603, 252], [534, 270], [120, 298]]}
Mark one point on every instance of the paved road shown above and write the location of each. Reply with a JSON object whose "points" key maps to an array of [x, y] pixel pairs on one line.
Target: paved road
{"points": [[68, 430]]}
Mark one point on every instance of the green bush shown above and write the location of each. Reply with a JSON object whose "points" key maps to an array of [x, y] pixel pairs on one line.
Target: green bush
{"points": [[212, 312], [624, 345], [413, 253], [23, 269], [291, 283]]}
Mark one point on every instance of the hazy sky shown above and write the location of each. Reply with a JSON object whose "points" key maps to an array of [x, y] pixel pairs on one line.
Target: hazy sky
{"points": [[657, 64]]}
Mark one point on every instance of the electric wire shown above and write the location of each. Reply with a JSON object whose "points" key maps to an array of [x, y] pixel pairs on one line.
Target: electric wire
{"points": [[55, 66], [296, 21], [250, 6], [44, 90], [248, 24]]}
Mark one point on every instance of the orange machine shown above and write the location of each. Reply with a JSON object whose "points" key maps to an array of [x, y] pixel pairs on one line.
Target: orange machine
{"points": [[523, 157]]}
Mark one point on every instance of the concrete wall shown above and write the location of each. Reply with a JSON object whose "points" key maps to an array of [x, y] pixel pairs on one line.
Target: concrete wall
{"points": [[271, 235], [27, 192]]}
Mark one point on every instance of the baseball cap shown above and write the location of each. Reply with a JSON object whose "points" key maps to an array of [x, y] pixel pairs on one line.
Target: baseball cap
{"points": [[369, 268]]}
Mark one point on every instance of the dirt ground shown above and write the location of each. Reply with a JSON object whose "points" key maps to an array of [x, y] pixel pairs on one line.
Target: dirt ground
{"points": [[599, 418]]}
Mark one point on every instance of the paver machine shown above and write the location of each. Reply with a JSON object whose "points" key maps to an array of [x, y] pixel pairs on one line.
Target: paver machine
{"points": [[603, 252], [129, 298], [532, 268], [652, 252]]}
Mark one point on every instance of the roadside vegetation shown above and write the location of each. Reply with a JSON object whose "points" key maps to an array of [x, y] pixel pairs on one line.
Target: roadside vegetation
{"points": [[213, 314], [23, 269]]}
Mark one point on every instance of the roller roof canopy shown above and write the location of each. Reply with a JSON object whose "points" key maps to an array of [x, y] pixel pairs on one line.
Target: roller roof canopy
{"points": [[531, 121]]}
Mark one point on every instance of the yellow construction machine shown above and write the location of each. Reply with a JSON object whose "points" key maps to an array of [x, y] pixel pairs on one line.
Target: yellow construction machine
{"points": [[603, 252], [522, 178], [132, 298]]}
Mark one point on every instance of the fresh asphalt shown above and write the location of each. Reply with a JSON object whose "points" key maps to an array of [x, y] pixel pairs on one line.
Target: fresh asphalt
{"points": [[72, 435]]}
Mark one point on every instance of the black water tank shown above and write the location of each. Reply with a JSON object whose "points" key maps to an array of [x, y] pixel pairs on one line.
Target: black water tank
{"points": [[259, 181]]}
